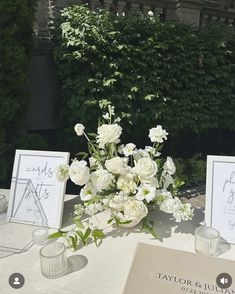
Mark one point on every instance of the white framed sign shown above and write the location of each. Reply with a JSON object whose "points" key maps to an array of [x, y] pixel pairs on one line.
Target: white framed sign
{"points": [[36, 196], [220, 195]]}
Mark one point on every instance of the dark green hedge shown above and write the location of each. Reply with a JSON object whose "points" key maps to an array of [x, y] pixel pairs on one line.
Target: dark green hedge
{"points": [[167, 73], [16, 19]]}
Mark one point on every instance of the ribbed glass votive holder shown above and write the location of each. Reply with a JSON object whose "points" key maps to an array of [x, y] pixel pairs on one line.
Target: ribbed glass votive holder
{"points": [[53, 260], [206, 240]]}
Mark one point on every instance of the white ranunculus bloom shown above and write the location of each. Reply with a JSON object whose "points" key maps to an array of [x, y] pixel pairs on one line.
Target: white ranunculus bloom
{"points": [[79, 172], [129, 149], [145, 168], [169, 166], [157, 134], [116, 165], [101, 179], [135, 211], [79, 129], [170, 205], [88, 192], [62, 172], [146, 191], [108, 134], [126, 184]]}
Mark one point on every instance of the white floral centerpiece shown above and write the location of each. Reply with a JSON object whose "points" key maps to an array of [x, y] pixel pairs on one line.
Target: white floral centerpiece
{"points": [[122, 179]]}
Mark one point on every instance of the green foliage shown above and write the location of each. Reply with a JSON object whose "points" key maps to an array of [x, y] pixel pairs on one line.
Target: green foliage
{"points": [[152, 72], [16, 19], [192, 170]]}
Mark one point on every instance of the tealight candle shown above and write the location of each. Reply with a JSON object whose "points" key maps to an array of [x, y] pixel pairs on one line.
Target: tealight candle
{"points": [[40, 236], [206, 240]]}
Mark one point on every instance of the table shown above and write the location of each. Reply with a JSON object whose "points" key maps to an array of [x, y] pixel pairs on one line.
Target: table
{"points": [[102, 270]]}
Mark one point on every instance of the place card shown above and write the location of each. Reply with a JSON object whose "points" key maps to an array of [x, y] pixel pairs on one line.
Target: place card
{"points": [[167, 271]]}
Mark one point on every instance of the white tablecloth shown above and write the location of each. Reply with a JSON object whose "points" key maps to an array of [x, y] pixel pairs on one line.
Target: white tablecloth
{"points": [[102, 270]]}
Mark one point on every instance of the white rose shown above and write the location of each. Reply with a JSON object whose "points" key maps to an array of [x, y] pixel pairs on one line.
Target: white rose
{"points": [[116, 165], [88, 192], [79, 173], [157, 134], [79, 129], [135, 211], [101, 179], [62, 172], [169, 166], [146, 168], [108, 134]]}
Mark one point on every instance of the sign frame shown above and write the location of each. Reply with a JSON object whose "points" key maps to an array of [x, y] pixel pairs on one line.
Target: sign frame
{"points": [[36, 196], [220, 196]]}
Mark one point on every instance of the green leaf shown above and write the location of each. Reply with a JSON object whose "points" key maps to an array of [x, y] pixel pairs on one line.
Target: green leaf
{"points": [[74, 240], [78, 223], [147, 227], [58, 234], [87, 235], [98, 235]]}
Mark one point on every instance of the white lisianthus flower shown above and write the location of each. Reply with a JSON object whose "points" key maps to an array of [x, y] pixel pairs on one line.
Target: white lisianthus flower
{"points": [[185, 212], [62, 172], [170, 205], [145, 168], [108, 134], [146, 191], [169, 166], [157, 134], [88, 192], [126, 184], [116, 165], [79, 129], [93, 208], [129, 149], [101, 179], [135, 211], [79, 173]]}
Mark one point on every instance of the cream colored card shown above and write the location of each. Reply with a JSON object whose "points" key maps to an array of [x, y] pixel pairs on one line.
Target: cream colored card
{"points": [[159, 270]]}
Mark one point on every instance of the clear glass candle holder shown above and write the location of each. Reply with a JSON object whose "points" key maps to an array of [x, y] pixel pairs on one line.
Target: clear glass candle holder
{"points": [[3, 203], [206, 240], [40, 236], [53, 260]]}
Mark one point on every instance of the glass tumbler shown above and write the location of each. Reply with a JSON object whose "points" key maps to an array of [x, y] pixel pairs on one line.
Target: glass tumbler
{"points": [[3, 203], [53, 260], [206, 240]]}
